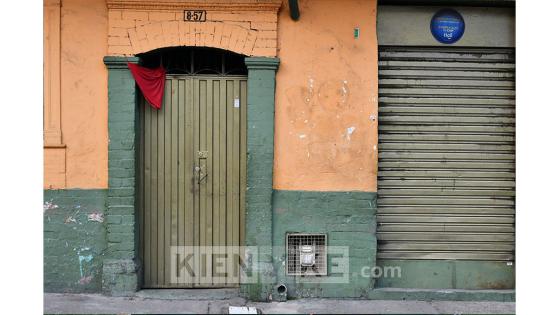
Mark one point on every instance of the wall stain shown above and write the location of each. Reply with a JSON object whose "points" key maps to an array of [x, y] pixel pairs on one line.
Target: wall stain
{"points": [[85, 280], [323, 116]]}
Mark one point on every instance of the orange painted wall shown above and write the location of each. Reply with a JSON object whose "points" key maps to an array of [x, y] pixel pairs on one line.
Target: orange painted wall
{"points": [[326, 98], [83, 89]]}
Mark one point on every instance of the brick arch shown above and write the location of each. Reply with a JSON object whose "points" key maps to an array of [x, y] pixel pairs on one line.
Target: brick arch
{"points": [[147, 37]]}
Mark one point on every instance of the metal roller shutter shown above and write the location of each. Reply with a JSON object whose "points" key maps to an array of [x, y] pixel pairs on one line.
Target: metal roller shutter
{"points": [[446, 180]]}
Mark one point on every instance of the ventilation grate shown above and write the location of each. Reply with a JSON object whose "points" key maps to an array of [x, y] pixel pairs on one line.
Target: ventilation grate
{"points": [[306, 254]]}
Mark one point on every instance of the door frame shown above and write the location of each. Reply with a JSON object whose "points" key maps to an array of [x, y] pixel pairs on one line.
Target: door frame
{"points": [[122, 267]]}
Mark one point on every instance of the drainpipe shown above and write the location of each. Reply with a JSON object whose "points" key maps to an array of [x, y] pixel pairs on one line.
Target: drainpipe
{"points": [[294, 9]]}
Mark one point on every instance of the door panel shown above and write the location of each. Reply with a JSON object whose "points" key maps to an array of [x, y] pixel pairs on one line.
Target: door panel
{"points": [[192, 173]]}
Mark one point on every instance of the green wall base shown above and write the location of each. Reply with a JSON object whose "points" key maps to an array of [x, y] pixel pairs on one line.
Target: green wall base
{"points": [[120, 277], [442, 295], [74, 239], [348, 218], [75, 250], [449, 274], [263, 289]]}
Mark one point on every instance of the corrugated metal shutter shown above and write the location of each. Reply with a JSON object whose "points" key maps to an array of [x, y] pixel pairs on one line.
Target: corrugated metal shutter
{"points": [[446, 153]]}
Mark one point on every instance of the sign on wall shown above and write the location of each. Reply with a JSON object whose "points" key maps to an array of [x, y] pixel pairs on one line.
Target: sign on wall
{"points": [[195, 15], [447, 26]]}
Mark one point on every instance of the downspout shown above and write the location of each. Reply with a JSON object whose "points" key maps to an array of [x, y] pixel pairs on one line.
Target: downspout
{"points": [[294, 9]]}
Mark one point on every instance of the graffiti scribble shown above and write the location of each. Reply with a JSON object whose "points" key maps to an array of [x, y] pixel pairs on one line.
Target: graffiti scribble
{"points": [[83, 259]]}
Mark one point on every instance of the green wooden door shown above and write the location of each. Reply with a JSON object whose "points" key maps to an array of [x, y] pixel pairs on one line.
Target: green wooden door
{"points": [[192, 167]]}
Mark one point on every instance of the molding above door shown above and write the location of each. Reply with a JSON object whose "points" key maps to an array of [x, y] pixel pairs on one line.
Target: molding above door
{"points": [[247, 27], [237, 5]]}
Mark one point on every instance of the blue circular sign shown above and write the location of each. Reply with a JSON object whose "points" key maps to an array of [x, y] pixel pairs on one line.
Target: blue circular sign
{"points": [[447, 26]]}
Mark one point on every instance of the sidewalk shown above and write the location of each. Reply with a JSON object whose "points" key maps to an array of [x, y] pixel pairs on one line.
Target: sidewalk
{"points": [[55, 303]]}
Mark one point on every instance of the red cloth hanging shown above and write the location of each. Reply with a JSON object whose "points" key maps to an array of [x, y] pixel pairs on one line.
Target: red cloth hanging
{"points": [[151, 82]]}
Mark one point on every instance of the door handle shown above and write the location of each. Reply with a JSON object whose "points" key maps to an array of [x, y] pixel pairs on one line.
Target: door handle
{"points": [[200, 176]]}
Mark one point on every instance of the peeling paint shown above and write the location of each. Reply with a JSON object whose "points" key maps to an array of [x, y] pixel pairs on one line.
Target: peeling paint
{"points": [[72, 218], [349, 132], [96, 216], [344, 91], [310, 91], [302, 136], [372, 117], [69, 219], [49, 205]]}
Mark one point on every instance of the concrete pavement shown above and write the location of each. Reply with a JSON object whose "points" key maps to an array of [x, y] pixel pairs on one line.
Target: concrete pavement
{"points": [[55, 303]]}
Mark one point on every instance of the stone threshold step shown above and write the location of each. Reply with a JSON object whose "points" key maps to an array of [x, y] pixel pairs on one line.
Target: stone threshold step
{"points": [[188, 294]]}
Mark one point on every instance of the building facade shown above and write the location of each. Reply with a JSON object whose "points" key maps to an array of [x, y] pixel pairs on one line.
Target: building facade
{"points": [[347, 129]]}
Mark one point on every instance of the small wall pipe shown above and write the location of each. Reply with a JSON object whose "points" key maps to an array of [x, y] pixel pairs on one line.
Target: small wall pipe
{"points": [[280, 294], [294, 9]]}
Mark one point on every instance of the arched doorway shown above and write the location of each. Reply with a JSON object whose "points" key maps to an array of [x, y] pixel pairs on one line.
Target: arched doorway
{"points": [[192, 170]]}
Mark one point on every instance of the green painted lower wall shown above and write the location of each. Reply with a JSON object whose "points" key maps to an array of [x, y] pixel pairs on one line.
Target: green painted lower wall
{"points": [[402, 294], [449, 274], [348, 218], [74, 239], [75, 245]]}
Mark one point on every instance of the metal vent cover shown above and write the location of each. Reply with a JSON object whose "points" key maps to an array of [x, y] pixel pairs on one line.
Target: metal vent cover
{"points": [[298, 244]]}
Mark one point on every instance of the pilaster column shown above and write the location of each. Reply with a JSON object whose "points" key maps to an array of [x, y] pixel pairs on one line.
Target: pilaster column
{"points": [[260, 158], [121, 269], [51, 83]]}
